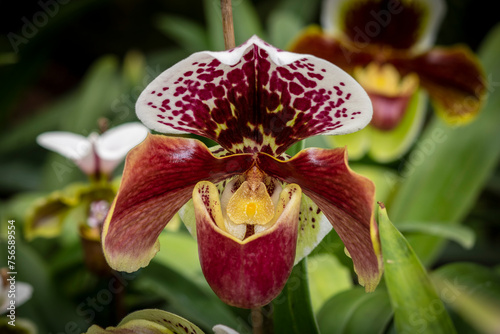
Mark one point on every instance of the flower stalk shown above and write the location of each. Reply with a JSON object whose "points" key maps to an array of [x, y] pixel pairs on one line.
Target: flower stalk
{"points": [[227, 24]]}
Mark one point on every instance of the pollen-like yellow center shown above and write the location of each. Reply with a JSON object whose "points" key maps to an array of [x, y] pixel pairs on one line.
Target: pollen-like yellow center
{"points": [[251, 204], [386, 80]]}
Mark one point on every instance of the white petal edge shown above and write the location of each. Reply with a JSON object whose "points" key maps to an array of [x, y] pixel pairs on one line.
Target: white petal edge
{"points": [[113, 145], [70, 145], [67, 144], [331, 20], [23, 294], [223, 329]]}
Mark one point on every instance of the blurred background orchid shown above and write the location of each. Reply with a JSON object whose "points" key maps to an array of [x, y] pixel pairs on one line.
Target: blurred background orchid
{"points": [[432, 71]]}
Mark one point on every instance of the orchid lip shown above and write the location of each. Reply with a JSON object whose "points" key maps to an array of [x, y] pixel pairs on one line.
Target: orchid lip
{"points": [[251, 272]]}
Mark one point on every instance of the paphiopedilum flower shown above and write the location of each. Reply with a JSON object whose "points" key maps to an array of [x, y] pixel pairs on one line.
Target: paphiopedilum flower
{"points": [[153, 321], [251, 202], [97, 156], [387, 47]]}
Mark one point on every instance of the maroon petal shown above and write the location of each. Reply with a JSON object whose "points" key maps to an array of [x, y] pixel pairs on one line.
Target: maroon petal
{"points": [[346, 56], [347, 199], [159, 177], [252, 272], [453, 78], [397, 24]]}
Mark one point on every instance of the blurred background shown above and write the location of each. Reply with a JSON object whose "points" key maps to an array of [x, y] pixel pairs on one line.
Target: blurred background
{"points": [[64, 64], [48, 48]]}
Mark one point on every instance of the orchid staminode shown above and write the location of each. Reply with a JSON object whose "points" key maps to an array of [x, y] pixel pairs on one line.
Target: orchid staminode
{"points": [[254, 211]]}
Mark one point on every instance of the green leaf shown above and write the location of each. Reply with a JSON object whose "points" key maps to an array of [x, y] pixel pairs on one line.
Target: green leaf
{"points": [[305, 10], [355, 311], [187, 33], [283, 26], [449, 166], [186, 298], [95, 97], [463, 235], [473, 291], [179, 251], [293, 311], [327, 277], [417, 307], [384, 178], [46, 300], [47, 119]]}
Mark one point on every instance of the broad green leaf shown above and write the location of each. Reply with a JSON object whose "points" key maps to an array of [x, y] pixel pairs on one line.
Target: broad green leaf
{"points": [[355, 311], [473, 291], [179, 251], [293, 311], [385, 179], [417, 307], [327, 277], [47, 119], [96, 94], [186, 298], [305, 10], [46, 300], [187, 33], [449, 166], [373, 315], [463, 235], [283, 26]]}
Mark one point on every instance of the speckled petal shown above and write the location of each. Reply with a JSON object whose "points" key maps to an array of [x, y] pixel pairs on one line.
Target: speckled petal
{"points": [[252, 272], [313, 227], [344, 197], [254, 98], [159, 177]]}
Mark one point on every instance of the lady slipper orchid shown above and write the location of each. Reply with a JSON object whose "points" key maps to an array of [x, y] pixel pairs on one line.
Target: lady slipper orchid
{"points": [[96, 155], [386, 46], [253, 205]]}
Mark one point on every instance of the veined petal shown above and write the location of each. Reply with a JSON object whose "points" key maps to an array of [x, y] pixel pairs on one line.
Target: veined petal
{"points": [[252, 272], [345, 198], [72, 146], [254, 98], [158, 179], [113, 145], [453, 78], [151, 321], [399, 24]]}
